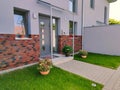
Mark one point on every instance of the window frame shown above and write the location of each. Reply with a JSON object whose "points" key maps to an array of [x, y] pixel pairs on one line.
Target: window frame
{"points": [[25, 15]]}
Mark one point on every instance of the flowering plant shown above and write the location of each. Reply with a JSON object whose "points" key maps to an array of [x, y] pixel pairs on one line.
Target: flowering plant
{"points": [[44, 65], [83, 52]]}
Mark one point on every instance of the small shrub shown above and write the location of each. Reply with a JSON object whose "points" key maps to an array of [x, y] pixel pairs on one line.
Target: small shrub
{"points": [[67, 49]]}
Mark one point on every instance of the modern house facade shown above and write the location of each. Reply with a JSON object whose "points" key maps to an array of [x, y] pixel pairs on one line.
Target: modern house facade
{"points": [[30, 29]]}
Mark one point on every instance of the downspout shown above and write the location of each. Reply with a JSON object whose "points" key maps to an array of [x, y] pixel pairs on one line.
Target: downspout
{"points": [[51, 29], [82, 23], [73, 34]]}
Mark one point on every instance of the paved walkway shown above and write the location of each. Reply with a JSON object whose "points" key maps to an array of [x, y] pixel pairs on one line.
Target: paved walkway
{"points": [[108, 77]]}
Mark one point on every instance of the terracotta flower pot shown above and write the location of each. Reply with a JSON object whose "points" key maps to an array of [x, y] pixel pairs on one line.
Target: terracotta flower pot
{"points": [[84, 56], [44, 72]]}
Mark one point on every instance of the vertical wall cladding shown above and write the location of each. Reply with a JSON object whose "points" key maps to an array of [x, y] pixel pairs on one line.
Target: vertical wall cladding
{"points": [[14, 53], [68, 40]]}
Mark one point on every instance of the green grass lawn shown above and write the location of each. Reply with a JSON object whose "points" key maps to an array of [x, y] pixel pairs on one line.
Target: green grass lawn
{"points": [[30, 79], [108, 61]]}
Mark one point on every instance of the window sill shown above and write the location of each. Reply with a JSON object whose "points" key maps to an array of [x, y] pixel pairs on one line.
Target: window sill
{"points": [[25, 38]]}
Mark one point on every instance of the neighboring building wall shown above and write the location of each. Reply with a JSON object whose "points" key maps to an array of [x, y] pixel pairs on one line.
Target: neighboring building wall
{"points": [[105, 40], [95, 16]]}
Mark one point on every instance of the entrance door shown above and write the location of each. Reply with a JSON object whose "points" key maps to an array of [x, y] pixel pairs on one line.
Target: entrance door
{"points": [[45, 41]]}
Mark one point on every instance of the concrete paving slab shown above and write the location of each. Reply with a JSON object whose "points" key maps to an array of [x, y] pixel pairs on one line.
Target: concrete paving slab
{"points": [[93, 72], [61, 60], [114, 81]]}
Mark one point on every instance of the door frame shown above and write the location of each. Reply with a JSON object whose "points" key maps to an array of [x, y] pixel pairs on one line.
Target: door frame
{"points": [[51, 30]]}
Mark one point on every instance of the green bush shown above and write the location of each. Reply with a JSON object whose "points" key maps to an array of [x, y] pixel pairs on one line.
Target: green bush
{"points": [[67, 49], [113, 21]]}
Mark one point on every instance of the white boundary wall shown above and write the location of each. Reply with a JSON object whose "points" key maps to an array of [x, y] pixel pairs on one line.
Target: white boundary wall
{"points": [[104, 39]]}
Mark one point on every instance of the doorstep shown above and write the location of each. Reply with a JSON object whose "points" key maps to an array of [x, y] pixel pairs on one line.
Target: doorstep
{"points": [[60, 60]]}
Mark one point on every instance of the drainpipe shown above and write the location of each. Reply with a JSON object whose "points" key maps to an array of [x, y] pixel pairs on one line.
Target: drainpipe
{"points": [[82, 23], [73, 34], [51, 28]]}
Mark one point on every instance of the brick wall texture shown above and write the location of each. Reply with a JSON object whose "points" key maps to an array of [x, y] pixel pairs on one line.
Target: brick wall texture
{"points": [[14, 53], [68, 40]]}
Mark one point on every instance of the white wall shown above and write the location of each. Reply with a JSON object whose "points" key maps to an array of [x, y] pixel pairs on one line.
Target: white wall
{"points": [[7, 15], [96, 14], [90, 15], [59, 3], [104, 39]]}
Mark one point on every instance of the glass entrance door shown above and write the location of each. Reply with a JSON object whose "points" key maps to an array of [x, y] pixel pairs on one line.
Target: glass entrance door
{"points": [[55, 34]]}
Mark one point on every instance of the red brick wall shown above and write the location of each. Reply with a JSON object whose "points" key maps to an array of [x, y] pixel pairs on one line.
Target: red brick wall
{"points": [[14, 53], [68, 40]]}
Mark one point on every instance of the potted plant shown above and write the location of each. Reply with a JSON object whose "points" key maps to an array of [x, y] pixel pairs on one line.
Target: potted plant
{"points": [[44, 66], [83, 53], [67, 50]]}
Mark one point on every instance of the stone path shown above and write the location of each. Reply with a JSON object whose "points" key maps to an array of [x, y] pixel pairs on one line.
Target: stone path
{"points": [[108, 77], [114, 81]]}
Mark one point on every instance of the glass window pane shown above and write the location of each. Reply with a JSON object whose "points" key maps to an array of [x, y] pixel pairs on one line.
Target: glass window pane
{"points": [[43, 37], [43, 42], [71, 5], [92, 3], [71, 26], [42, 30], [19, 24]]}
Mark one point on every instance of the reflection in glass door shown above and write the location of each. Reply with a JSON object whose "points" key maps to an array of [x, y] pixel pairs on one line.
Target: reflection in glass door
{"points": [[55, 35]]}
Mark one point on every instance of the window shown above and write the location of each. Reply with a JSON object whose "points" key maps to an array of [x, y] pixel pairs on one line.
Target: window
{"points": [[105, 15], [21, 23], [92, 4], [71, 26], [72, 5]]}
